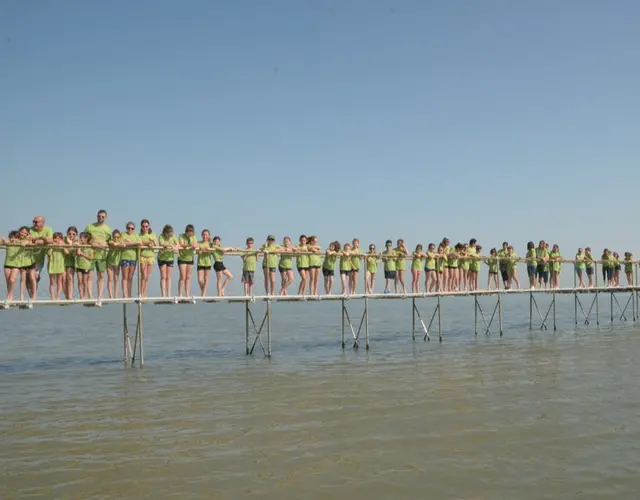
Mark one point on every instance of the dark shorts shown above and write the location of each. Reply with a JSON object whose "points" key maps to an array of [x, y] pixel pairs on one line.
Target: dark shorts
{"points": [[618, 267], [389, 275], [247, 277], [127, 263], [543, 275], [607, 273], [11, 267], [531, 271], [494, 273], [28, 268], [219, 267], [84, 271], [429, 270], [589, 271], [272, 269], [305, 269], [505, 274], [579, 271], [327, 272], [185, 262], [204, 268], [314, 267], [285, 270], [70, 267], [345, 272], [168, 263]]}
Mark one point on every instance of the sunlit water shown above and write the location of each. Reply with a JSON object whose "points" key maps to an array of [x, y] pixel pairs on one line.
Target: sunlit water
{"points": [[534, 414]]}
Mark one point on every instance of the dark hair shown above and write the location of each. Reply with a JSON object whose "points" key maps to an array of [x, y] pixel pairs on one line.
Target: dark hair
{"points": [[303, 236], [473, 241], [167, 228], [205, 231], [14, 234], [58, 235], [72, 228], [478, 247], [116, 231], [26, 228], [189, 227], [142, 222], [85, 235], [250, 239], [388, 242], [531, 245], [102, 211], [336, 245], [215, 238]]}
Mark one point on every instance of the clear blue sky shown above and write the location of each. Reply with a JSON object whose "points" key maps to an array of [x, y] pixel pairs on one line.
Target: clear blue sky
{"points": [[378, 119]]}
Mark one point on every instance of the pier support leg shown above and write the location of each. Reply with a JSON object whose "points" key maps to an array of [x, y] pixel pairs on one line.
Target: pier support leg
{"points": [[268, 328], [413, 319], [366, 323], [246, 325], [141, 334], [342, 322], [487, 325], [530, 310], [500, 313], [553, 301], [439, 320], [475, 315], [125, 333], [266, 320]]}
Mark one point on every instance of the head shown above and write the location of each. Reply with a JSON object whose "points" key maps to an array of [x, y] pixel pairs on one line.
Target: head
{"points": [[14, 235], [541, 244], [101, 216], [131, 227], [250, 241], [616, 254], [145, 226], [216, 240], [38, 222], [23, 232], [347, 247], [400, 243], [530, 245], [556, 248], [336, 246], [605, 251], [510, 249], [580, 250], [432, 247], [627, 255], [478, 248], [271, 240], [303, 239], [473, 242], [388, 244], [546, 245], [419, 247], [206, 235], [445, 242], [493, 251], [332, 246], [72, 232], [587, 250], [85, 238], [505, 245], [372, 247], [115, 235], [286, 241], [167, 231], [441, 248], [313, 239], [189, 230], [356, 243], [57, 237]]}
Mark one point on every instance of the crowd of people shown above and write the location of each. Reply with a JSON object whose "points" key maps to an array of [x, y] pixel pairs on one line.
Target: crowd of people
{"points": [[76, 258]]}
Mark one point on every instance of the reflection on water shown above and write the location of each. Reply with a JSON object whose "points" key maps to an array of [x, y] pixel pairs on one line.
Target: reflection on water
{"points": [[531, 415]]}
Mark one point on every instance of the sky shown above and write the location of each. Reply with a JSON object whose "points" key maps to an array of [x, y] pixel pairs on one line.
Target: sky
{"points": [[412, 119]]}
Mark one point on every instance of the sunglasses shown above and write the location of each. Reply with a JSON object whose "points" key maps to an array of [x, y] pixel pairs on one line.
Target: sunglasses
{"points": [[130, 228]]}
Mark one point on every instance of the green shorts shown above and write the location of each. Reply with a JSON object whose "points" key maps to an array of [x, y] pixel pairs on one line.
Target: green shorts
{"points": [[100, 265]]}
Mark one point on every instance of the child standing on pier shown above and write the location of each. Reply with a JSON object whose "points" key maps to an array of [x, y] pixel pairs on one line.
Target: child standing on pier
{"points": [[166, 256], [223, 275], [329, 266], [580, 266], [302, 263], [70, 262], [542, 256], [430, 272], [56, 267], [113, 263], [417, 263], [12, 262], [532, 264], [204, 261], [555, 259], [129, 258], [628, 267], [607, 267], [188, 244], [285, 265], [616, 269], [589, 263], [84, 258], [389, 258], [345, 268], [512, 267], [371, 261], [356, 257], [401, 264], [270, 264], [315, 263], [441, 270], [249, 261], [492, 263]]}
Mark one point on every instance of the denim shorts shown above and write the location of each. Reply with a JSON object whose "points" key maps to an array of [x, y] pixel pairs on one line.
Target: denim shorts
{"points": [[128, 263], [168, 263], [247, 277], [531, 271], [589, 271], [389, 275], [543, 275]]}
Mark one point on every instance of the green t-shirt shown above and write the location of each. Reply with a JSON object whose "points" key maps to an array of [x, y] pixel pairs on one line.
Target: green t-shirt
{"points": [[513, 260], [204, 254], [588, 260], [218, 253], [372, 263], [302, 261], [56, 261], [430, 261], [187, 254], [345, 263], [39, 254], [114, 255], [474, 263], [452, 260], [129, 253], [628, 265], [580, 263], [100, 233], [145, 239], [315, 260], [70, 256], [249, 261], [12, 256], [167, 254], [286, 261], [502, 259], [531, 257], [556, 265], [542, 253], [355, 259], [83, 262], [272, 260], [401, 262], [441, 262], [464, 262], [492, 262], [26, 254], [330, 261], [389, 258], [417, 263]]}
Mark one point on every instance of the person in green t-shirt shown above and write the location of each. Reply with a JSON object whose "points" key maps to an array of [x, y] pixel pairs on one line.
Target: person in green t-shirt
{"points": [[315, 263], [503, 264], [616, 269], [512, 267], [56, 267], [416, 268], [285, 265], [389, 258], [371, 261], [580, 266], [12, 262], [474, 264], [345, 268], [329, 266], [129, 258], [430, 269], [27, 265], [401, 252], [542, 259], [84, 258], [114, 256], [223, 275], [589, 262], [628, 267], [188, 244], [170, 245], [532, 264], [70, 261], [441, 269], [148, 242], [40, 235], [492, 263], [205, 260], [555, 259], [356, 257], [100, 236], [302, 263], [249, 262], [269, 264]]}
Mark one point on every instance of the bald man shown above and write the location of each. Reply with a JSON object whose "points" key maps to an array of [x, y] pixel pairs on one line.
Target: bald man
{"points": [[40, 235]]}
